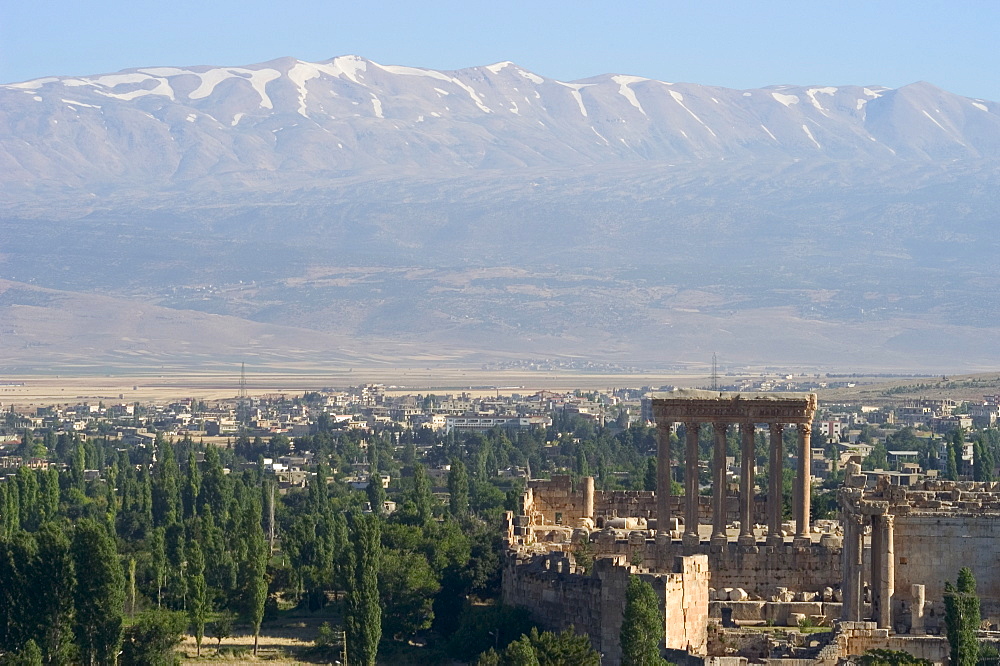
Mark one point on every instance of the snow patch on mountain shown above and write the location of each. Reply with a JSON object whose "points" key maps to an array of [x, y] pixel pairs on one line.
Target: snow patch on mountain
{"points": [[811, 137], [812, 92], [574, 89], [497, 67], [679, 98], [787, 100], [626, 92], [534, 78]]}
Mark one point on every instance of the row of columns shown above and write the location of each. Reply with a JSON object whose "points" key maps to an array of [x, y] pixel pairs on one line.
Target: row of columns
{"points": [[801, 489], [883, 567]]}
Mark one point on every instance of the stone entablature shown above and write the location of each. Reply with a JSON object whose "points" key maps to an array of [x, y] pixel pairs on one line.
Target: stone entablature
{"points": [[693, 405]]}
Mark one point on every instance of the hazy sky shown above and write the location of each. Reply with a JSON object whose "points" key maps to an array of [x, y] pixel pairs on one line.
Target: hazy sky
{"points": [[737, 44]]}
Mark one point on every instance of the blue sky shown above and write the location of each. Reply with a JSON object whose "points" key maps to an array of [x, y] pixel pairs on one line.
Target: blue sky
{"points": [[738, 44]]}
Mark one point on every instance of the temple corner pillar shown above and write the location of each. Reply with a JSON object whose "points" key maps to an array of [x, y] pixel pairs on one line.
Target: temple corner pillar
{"points": [[691, 537], [747, 460], [774, 483], [719, 485], [663, 477], [803, 482]]}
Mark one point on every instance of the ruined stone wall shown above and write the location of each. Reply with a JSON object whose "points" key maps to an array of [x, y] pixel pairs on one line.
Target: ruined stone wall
{"points": [[558, 597], [555, 501], [554, 592], [760, 570], [856, 638], [642, 504], [930, 549], [685, 604]]}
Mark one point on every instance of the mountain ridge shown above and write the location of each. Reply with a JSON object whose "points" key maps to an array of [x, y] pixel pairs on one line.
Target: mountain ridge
{"points": [[150, 125]]}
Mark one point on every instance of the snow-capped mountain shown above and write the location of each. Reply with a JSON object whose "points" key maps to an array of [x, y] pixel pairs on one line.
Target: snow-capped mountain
{"points": [[168, 125], [492, 212]]}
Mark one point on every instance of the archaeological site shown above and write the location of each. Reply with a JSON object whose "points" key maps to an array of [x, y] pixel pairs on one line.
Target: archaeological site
{"points": [[730, 570]]}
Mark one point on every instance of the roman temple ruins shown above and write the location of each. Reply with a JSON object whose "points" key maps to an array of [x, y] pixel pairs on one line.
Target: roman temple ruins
{"points": [[724, 557]]}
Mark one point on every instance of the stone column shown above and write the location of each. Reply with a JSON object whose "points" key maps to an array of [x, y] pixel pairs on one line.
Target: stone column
{"points": [[588, 498], [875, 562], [719, 485], [774, 478], [747, 460], [918, 594], [803, 487], [691, 537], [887, 573], [853, 558], [663, 478]]}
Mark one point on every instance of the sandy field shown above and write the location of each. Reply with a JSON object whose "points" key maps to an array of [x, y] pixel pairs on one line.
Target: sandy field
{"points": [[27, 391]]}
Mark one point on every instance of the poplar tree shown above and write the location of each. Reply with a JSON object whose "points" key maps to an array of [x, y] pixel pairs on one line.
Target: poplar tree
{"points": [[100, 594], [364, 612], [192, 486], [254, 568], [197, 592]]}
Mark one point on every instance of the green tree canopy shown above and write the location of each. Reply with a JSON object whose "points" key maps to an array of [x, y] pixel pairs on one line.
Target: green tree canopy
{"points": [[962, 618], [642, 626]]}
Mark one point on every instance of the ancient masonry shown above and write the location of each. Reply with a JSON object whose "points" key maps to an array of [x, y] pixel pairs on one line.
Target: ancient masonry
{"points": [[878, 579], [917, 538], [770, 578]]}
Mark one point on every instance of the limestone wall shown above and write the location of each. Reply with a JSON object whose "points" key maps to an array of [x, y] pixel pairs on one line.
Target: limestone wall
{"points": [[930, 549], [856, 638], [760, 570], [555, 501], [558, 597], [685, 604]]}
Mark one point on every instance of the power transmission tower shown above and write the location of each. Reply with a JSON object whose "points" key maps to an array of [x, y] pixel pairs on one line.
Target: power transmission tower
{"points": [[715, 372], [242, 401]]}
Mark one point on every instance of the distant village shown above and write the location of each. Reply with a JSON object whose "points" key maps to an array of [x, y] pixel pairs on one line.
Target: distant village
{"points": [[840, 432]]}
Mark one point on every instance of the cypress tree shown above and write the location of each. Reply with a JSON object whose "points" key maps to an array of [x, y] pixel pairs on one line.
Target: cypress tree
{"points": [[27, 490], [642, 626], [364, 612], [17, 601], [48, 494], [100, 594], [53, 590], [422, 497], [166, 494], [458, 489], [962, 618], [952, 471], [376, 493]]}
